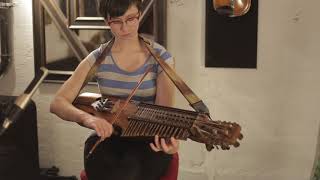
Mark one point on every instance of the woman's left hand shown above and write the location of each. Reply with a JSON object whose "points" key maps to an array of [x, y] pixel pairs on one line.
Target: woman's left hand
{"points": [[169, 147]]}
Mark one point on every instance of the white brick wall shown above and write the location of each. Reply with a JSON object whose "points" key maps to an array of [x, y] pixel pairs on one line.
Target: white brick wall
{"points": [[276, 104]]}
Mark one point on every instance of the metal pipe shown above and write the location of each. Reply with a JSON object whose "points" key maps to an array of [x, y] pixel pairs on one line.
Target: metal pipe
{"points": [[16, 109]]}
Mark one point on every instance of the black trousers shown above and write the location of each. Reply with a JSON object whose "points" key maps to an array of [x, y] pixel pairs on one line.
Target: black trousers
{"points": [[124, 159]]}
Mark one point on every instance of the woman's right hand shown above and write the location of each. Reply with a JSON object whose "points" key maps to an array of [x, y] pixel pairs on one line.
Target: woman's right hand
{"points": [[103, 128]]}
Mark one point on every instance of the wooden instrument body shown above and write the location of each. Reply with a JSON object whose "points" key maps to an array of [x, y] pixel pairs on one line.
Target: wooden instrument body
{"points": [[147, 120], [85, 101]]}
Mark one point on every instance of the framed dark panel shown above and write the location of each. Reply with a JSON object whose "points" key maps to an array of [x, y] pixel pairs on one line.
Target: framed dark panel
{"points": [[231, 42], [84, 15]]}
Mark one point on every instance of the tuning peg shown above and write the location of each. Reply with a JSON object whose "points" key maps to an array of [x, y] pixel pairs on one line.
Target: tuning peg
{"points": [[225, 147], [241, 136], [209, 147], [236, 144], [226, 132], [214, 131]]}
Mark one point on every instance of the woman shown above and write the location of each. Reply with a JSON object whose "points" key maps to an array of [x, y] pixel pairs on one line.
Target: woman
{"points": [[117, 158]]}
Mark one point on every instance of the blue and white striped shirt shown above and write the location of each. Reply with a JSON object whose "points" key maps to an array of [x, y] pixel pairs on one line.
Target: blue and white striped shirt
{"points": [[113, 81]]}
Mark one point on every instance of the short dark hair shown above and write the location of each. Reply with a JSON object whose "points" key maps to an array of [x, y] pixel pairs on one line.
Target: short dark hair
{"points": [[116, 8]]}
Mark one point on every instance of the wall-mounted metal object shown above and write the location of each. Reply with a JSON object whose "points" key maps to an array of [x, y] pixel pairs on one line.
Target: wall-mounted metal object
{"points": [[78, 24], [231, 42], [5, 35], [232, 8]]}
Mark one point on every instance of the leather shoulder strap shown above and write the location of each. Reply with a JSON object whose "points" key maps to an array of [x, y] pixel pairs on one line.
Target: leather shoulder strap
{"points": [[195, 102], [94, 68]]}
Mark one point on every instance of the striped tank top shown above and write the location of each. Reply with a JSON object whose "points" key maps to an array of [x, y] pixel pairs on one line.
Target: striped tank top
{"points": [[113, 81]]}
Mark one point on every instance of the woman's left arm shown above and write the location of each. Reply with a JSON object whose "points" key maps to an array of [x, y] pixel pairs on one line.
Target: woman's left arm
{"points": [[165, 90], [165, 97]]}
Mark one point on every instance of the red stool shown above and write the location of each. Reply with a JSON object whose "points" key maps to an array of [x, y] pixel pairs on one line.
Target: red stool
{"points": [[172, 173]]}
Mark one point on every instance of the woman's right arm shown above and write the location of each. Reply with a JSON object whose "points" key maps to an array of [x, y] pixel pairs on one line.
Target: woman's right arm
{"points": [[63, 108]]}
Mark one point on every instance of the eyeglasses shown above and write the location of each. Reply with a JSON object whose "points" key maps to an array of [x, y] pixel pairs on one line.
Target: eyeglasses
{"points": [[130, 21]]}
